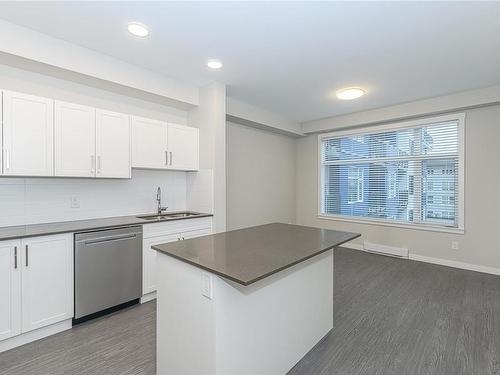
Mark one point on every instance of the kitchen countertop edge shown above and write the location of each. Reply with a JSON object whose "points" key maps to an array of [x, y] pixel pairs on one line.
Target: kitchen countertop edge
{"points": [[46, 229]]}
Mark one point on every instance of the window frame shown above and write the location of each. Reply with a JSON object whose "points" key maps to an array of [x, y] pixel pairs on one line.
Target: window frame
{"points": [[356, 132]]}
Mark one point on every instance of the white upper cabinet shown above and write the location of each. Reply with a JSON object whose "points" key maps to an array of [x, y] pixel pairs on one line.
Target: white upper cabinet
{"points": [[74, 140], [47, 280], [149, 143], [90, 142], [43, 137], [112, 145], [182, 147], [10, 289], [28, 135], [158, 145]]}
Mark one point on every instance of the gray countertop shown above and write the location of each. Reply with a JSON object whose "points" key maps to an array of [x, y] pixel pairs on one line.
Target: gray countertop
{"points": [[33, 230], [251, 254]]}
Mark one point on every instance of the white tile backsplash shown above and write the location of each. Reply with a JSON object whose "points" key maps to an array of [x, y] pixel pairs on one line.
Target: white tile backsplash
{"points": [[42, 200], [200, 188]]}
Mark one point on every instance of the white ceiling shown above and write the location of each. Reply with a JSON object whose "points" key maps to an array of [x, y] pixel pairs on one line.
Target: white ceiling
{"points": [[289, 57]]}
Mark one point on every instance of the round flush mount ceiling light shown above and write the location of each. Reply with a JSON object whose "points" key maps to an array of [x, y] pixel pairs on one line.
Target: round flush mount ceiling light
{"points": [[214, 64], [138, 29], [350, 93]]}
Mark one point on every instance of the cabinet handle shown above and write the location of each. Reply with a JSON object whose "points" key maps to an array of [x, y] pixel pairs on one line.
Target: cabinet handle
{"points": [[99, 164], [26, 248], [7, 159], [166, 157], [92, 163], [171, 158], [15, 256]]}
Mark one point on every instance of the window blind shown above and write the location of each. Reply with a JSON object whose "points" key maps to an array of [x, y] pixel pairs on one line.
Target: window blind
{"points": [[406, 175]]}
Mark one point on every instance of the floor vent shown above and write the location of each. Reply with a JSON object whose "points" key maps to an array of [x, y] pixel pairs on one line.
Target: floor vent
{"points": [[400, 252]]}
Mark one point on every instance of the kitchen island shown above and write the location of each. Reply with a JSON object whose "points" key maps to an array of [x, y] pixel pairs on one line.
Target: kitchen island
{"points": [[249, 301]]}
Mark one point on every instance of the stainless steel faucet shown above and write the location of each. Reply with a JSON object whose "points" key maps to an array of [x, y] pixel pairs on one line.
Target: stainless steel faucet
{"points": [[158, 199]]}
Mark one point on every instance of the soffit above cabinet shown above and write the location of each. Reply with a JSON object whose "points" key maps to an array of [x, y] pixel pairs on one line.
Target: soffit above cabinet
{"points": [[34, 51]]}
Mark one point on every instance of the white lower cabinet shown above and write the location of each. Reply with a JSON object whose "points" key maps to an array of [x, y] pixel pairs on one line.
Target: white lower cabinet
{"points": [[10, 289], [158, 233], [47, 280], [36, 282], [149, 261]]}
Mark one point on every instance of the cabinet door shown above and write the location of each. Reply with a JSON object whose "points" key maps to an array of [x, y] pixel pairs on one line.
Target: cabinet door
{"points": [[149, 143], [74, 140], [149, 261], [112, 144], [28, 135], [47, 280], [195, 233], [182, 147], [10, 289]]}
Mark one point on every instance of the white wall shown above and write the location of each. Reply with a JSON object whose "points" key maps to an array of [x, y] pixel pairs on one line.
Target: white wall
{"points": [[478, 246], [247, 114], [36, 200], [210, 118], [260, 177]]}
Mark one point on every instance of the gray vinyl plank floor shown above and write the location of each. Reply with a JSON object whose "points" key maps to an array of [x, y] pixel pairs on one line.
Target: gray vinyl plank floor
{"points": [[401, 317], [122, 343], [392, 317]]}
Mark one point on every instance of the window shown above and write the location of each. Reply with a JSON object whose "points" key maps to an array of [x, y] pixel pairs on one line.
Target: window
{"points": [[355, 185], [392, 185], [405, 174]]}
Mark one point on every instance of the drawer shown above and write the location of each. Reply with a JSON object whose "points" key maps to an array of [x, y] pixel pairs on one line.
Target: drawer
{"points": [[195, 233], [176, 226]]}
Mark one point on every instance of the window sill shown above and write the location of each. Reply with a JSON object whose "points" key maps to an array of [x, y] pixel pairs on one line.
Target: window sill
{"points": [[428, 228]]}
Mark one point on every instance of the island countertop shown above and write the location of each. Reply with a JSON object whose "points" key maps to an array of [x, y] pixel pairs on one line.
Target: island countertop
{"points": [[251, 254]]}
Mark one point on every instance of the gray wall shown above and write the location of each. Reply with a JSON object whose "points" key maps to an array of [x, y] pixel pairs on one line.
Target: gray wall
{"points": [[482, 201], [260, 172]]}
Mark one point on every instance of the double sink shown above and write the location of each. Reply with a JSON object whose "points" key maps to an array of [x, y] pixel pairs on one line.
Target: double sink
{"points": [[174, 215]]}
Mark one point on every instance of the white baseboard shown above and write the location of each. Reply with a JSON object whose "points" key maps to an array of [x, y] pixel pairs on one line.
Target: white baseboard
{"points": [[37, 334], [455, 264], [352, 245], [369, 247], [438, 261], [148, 297], [399, 252]]}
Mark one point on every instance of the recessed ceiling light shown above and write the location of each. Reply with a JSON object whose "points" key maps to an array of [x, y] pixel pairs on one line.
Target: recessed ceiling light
{"points": [[214, 64], [138, 29], [350, 93]]}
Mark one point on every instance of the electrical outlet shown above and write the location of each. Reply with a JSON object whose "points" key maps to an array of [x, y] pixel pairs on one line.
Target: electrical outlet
{"points": [[454, 245], [207, 285], [75, 202]]}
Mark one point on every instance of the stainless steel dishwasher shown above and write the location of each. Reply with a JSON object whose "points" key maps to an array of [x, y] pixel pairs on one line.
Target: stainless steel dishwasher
{"points": [[108, 271]]}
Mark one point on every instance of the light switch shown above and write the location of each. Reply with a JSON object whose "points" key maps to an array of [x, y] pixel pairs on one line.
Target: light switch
{"points": [[207, 285], [75, 202]]}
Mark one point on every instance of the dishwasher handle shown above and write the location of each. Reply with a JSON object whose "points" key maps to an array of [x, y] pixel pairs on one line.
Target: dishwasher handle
{"points": [[99, 240]]}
